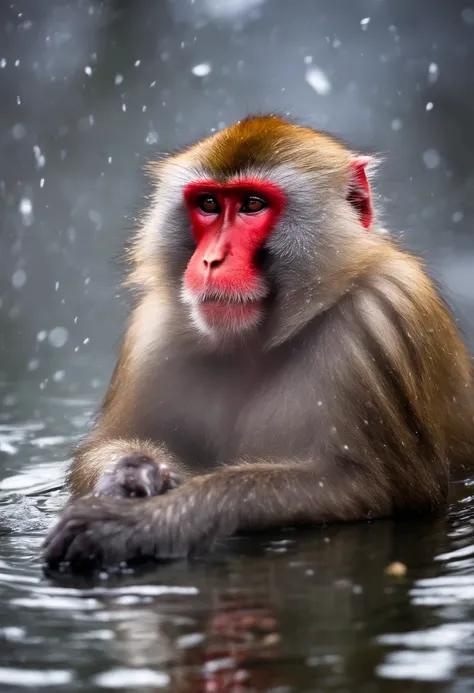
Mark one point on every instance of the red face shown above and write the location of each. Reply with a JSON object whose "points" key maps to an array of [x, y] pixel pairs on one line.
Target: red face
{"points": [[230, 223]]}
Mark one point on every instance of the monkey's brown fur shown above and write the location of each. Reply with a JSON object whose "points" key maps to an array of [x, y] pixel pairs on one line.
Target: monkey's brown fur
{"points": [[354, 402]]}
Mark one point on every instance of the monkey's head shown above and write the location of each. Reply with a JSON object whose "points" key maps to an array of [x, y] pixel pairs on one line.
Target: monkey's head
{"points": [[255, 228]]}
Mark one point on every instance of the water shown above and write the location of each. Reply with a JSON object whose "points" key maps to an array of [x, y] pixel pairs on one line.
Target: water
{"points": [[291, 611]]}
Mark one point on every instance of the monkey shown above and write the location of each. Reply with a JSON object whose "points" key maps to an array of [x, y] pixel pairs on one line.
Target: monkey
{"points": [[285, 362]]}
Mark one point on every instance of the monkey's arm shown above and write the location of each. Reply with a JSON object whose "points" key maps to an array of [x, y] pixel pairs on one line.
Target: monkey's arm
{"points": [[119, 457], [102, 532]]}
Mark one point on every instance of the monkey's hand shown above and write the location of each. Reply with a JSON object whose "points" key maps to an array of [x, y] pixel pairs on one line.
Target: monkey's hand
{"points": [[106, 533], [137, 476]]}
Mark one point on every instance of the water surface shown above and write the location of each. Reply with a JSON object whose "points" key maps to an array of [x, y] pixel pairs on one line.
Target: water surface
{"points": [[291, 611]]}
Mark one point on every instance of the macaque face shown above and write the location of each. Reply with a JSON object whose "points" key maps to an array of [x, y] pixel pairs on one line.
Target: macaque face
{"points": [[224, 282], [254, 224]]}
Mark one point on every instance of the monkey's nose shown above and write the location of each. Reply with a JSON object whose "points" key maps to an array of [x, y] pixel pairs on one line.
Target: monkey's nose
{"points": [[214, 258]]}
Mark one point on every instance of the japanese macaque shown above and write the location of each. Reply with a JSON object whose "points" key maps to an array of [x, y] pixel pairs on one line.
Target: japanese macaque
{"points": [[285, 363]]}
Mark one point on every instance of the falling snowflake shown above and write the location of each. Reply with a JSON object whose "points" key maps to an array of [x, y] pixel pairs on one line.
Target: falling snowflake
{"points": [[58, 337], [201, 70], [318, 80], [26, 211], [433, 72], [431, 158], [19, 278], [39, 157]]}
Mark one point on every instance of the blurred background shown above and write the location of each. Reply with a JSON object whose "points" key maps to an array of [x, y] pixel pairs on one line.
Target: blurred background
{"points": [[90, 91]]}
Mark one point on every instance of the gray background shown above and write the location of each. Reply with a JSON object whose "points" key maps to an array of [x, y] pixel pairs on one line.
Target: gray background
{"points": [[91, 90]]}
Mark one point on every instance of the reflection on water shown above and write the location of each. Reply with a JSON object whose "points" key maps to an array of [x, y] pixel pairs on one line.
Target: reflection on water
{"points": [[291, 611]]}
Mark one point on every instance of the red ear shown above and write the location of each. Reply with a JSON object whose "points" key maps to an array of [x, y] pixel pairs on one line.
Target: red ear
{"points": [[359, 190]]}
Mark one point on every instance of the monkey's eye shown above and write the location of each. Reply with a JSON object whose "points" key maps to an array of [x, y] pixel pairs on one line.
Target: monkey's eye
{"points": [[253, 204], [208, 204]]}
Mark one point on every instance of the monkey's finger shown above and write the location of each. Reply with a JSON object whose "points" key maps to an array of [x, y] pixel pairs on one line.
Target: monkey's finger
{"points": [[59, 527], [103, 546], [58, 541], [84, 552]]}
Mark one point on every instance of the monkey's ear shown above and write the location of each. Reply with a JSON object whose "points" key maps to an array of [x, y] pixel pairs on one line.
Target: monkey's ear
{"points": [[359, 190]]}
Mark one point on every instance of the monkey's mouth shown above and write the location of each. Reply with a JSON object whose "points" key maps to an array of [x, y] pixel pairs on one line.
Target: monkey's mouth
{"points": [[234, 312], [229, 299]]}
